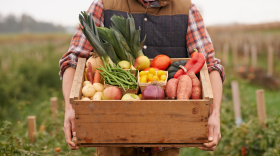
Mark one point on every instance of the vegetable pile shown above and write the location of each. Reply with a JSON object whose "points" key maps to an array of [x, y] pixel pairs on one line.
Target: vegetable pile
{"points": [[119, 65]]}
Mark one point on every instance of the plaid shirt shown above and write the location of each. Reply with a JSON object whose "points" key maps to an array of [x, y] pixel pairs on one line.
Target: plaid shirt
{"points": [[197, 38]]}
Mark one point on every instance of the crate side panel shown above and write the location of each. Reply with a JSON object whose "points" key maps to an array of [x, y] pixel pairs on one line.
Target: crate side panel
{"points": [[140, 145], [140, 112], [162, 132]]}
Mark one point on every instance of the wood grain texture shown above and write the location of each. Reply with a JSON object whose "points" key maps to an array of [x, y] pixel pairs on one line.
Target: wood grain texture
{"points": [[54, 107], [270, 61], [161, 132], [78, 80], [80, 69], [151, 121], [236, 102], [139, 145], [261, 107], [204, 87], [31, 120], [209, 86], [141, 112]]}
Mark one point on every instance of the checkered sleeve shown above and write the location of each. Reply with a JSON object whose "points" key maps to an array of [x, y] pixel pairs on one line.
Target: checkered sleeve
{"points": [[79, 46], [198, 38]]}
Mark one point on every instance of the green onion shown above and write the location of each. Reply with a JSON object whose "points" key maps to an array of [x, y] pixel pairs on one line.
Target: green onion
{"points": [[90, 32]]}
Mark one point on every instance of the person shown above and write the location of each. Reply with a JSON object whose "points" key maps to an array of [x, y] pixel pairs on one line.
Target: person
{"points": [[174, 28]]}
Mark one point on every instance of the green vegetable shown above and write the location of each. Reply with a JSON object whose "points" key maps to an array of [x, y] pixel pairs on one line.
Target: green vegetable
{"points": [[90, 31], [116, 76], [117, 41], [174, 67], [127, 28]]}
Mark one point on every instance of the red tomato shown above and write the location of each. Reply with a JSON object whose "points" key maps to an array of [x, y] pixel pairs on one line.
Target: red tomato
{"points": [[147, 69], [161, 62]]}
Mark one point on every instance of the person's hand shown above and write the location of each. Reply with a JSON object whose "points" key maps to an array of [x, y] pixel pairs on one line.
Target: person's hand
{"points": [[69, 128], [214, 133]]}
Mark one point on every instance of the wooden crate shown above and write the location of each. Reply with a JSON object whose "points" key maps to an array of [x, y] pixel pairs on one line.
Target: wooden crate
{"points": [[146, 123]]}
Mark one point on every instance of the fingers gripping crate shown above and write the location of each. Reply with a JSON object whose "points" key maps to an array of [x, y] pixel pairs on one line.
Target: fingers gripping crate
{"points": [[146, 123]]}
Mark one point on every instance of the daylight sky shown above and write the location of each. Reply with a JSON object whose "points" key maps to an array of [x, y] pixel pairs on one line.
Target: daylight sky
{"points": [[215, 12]]}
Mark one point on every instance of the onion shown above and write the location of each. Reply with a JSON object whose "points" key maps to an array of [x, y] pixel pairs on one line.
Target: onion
{"points": [[95, 62], [153, 92]]}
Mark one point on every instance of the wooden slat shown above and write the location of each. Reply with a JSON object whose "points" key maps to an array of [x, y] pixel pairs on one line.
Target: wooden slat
{"points": [[31, 120], [209, 86], [204, 87], [54, 107], [138, 145], [254, 56], [192, 108], [270, 61], [234, 53], [161, 132], [246, 51], [138, 122], [236, 102], [80, 70], [261, 107], [74, 87], [149, 112]]}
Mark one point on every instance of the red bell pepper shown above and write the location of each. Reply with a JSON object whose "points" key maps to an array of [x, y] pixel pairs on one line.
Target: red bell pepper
{"points": [[194, 64]]}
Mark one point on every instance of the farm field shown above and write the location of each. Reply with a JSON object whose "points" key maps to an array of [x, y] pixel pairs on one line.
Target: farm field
{"points": [[29, 74]]}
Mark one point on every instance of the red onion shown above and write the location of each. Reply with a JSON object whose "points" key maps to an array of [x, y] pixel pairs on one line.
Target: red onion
{"points": [[153, 92]]}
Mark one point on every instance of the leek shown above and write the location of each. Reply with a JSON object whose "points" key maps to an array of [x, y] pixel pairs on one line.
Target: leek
{"points": [[127, 28], [119, 43], [90, 31]]}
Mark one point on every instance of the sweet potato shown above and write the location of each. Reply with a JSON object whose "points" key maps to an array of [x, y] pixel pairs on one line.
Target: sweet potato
{"points": [[196, 86], [184, 90], [171, 88]]}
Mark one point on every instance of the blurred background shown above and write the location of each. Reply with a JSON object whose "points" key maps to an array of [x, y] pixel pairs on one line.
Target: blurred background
{"points": [[35, 34]]}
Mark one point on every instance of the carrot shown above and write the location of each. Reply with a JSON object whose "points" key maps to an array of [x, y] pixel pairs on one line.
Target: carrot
{"points": [[89, 73], [184, 90], [85, 74], [171, 88], [196, 86], [97, 77]]}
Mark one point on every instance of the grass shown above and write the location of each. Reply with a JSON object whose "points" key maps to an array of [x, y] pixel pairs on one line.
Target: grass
{"points": [[29, 75]]}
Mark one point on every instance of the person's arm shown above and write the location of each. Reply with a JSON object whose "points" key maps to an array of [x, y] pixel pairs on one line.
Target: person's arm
{"points": [[214, 133], [79, 47], [69, 119], [198, 38]]}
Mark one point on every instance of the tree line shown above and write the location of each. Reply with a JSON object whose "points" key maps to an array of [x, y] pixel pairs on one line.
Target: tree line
{"points": [[26, 24]]}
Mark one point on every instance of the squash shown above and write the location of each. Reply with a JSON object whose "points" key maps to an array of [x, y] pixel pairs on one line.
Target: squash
{"points": [[174, 67], [95, 61]]}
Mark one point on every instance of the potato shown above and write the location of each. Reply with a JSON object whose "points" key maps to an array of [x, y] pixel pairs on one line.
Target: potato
{"points": [[88, 90], [86, 83], [171, 88], [196, 86], [98, 93], [184, 90], [98, 87], [96, 97], [85, 98]]}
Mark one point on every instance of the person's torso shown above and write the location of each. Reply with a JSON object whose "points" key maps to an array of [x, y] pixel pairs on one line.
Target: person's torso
{"points": [[165, 27]]}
